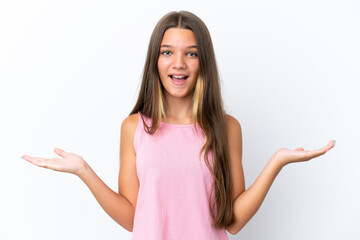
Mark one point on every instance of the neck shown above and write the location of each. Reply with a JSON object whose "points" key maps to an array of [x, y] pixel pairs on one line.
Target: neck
{"points": [[178, 110]]}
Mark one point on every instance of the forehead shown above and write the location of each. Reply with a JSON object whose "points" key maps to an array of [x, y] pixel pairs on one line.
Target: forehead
{"points": [[178, 37]]}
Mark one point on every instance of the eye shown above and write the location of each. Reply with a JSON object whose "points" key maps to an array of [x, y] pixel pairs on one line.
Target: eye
{"points": [[192, 54], [166, 53]]}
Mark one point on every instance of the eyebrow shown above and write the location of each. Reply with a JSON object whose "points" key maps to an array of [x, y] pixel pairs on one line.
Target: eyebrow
{"points": [[169, 46]]}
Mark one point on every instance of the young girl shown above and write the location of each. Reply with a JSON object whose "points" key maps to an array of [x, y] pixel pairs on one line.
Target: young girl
{"points": [[181, 173]]}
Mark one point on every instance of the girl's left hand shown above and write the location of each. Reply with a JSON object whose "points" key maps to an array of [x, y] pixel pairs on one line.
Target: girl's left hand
{"points": [[285, 156]]}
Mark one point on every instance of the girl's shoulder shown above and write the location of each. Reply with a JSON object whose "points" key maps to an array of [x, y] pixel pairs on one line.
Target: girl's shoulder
{"points": [[129, 124], [232, 123], [234, 131]]}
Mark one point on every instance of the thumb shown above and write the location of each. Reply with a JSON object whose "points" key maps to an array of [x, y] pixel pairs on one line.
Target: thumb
{"points": [[61, 152], [299, 149]]}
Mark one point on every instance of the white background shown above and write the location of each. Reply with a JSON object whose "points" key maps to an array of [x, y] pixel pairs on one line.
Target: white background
{"points": [[70, 73]]}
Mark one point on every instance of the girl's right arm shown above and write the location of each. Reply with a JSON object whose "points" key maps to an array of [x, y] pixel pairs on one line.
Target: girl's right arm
{"points": [[119, 206], [114, 204]]}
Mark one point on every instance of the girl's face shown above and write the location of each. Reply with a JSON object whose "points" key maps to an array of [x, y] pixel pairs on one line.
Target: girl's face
{"points": [[178, 62]]}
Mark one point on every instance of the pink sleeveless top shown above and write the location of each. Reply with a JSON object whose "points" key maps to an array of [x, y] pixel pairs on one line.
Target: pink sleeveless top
{"points": [[175, 185]]}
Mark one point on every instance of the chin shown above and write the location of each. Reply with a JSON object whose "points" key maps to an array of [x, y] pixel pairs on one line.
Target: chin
{"points": [[179, 95]]}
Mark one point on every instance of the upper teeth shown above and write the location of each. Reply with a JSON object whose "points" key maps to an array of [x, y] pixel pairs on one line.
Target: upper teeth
{"points": [[178, 76]]}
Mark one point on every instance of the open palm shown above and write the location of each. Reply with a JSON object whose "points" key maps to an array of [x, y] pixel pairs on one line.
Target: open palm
{"points": [[70, 162], [286, 156]]}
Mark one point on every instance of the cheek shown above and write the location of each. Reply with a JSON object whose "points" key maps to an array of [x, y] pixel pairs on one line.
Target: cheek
{"points": [[193, 64], [162, 68], [163, 72], [163, 62], [195, 68]]}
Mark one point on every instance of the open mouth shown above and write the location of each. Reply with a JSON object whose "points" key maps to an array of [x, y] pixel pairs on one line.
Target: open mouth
{"points": [[178, 78]]}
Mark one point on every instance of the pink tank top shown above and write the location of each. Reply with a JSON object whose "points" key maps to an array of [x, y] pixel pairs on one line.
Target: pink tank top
{"points": [[175, 185]]}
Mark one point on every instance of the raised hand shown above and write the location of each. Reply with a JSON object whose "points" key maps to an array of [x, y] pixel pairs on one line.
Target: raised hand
{"points": [[70, 162], [285, 156]]}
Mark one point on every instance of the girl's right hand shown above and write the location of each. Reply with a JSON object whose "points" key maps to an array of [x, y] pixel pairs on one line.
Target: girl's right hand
{"points": [[70, 162]]}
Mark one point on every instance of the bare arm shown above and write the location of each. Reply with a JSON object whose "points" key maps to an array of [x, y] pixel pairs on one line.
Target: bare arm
{"points": [[119, 206], [248, 202], [115, 205]]}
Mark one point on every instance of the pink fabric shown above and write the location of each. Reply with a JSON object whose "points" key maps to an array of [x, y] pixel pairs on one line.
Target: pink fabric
{"points": [[175, 185]]}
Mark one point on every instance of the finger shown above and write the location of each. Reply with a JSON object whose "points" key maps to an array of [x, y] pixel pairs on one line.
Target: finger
{"points": [[35, 160], [321, 151], [32, 159], [61, 152], [40, 162], [332, 144], [328, 146], [299, 149]]}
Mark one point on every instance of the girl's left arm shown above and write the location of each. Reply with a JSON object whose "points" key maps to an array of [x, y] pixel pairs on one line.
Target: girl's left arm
{"points": [[246, 203]]}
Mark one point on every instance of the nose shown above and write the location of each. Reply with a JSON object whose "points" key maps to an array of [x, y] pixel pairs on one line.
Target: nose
{"points": [[179, 61]]}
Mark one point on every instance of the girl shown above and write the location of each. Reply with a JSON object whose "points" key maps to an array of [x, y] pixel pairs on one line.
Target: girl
{"points": [[181, 173]]}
